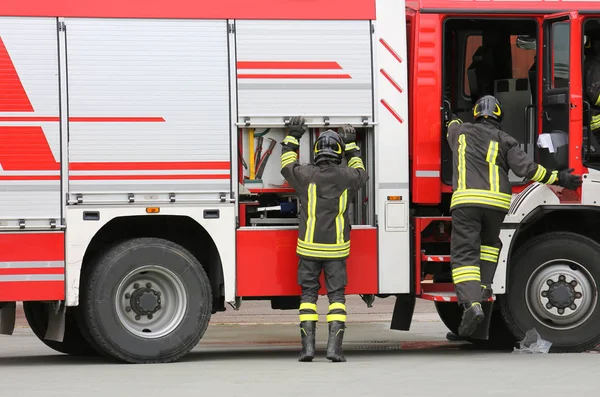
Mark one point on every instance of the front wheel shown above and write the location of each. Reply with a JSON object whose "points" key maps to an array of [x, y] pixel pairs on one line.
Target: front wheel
{"points": [[147, 300], [552, 287]]}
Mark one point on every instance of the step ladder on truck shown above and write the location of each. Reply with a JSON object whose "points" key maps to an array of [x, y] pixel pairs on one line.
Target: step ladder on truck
{"points": [[141, 177]]}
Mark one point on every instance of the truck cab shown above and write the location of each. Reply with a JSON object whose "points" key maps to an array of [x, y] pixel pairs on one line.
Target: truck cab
{"points": [[531, 55]]}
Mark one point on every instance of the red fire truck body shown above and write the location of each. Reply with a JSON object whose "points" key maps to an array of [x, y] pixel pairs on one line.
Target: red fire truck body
{"points": [[139, 154]]}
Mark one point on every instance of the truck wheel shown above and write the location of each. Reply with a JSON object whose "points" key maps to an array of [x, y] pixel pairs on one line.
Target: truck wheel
{"points": [[499, 335], [147, 300], [73, 342], [552, 287]]}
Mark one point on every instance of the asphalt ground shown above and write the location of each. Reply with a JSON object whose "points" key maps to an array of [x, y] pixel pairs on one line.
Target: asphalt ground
{"points": [[253, 352]]}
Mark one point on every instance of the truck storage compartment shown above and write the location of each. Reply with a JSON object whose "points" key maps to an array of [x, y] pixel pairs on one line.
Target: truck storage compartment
{"points": [[319, 69], [149, 104]]}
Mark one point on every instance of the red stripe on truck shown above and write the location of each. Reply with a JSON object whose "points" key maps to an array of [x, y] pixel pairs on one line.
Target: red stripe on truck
{"points": [[165, 165], [294, 76], [186, 9], [287, 65], [32, 247]]}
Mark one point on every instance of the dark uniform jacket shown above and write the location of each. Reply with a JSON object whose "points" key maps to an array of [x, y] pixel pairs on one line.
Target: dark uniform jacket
{"points": [[323, 191], [592, 90], [483, 155]]}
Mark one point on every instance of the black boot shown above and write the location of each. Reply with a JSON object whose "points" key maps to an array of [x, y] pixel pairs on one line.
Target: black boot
{"points": [[334, 343], [453, 337], [307, 332], [472, 316]]}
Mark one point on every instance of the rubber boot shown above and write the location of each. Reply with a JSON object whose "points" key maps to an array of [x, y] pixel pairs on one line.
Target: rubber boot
{"points": [[453, 337], [307, 332], [334, 343], [472, 316]]}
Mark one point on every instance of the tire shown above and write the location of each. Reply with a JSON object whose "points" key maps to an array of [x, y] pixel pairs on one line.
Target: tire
{"points": [[73, 342], [161, 283], [553, 256], [500, 337]]}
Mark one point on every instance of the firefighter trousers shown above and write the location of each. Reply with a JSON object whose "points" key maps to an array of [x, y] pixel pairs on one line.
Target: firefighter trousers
{"points": [[336, 279], [474, 249]]}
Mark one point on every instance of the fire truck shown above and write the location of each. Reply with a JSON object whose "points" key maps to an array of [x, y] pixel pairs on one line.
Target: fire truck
{"points": [[140, 170]]}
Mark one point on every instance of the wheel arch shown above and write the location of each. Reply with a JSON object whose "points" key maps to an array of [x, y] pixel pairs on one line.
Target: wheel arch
{"points": [[180, 229], [576, 219]]}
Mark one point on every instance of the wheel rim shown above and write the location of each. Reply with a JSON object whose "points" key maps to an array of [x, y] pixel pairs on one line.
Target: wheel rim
{"points": [[561, 294], [151, 301]]}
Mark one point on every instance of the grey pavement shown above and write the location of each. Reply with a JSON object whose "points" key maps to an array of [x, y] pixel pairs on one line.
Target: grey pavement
{"points": [[243, 358]]}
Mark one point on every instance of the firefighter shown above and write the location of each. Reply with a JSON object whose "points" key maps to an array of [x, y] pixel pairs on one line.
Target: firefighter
{"points": [[482, 156], [591, 81], [323, 242]]}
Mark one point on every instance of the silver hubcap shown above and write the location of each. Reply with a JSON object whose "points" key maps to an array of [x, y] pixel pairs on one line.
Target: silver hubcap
{"points": [[151, 301], [561, 294]]}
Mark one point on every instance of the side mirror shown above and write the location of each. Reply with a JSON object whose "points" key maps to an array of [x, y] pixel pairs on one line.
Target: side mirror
{"points": [[554, 150]]}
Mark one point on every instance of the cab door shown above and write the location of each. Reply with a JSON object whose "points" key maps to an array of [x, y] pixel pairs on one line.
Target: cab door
{"points": [[561, 109]]}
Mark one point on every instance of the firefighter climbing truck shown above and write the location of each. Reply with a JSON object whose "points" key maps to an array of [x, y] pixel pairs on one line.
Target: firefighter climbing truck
{"points": [[140, 171]]}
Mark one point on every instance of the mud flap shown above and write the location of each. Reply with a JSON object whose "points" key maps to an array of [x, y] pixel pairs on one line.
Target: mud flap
{"points": [[483, 329], [7, 318], [403, 312], [56, 323]]}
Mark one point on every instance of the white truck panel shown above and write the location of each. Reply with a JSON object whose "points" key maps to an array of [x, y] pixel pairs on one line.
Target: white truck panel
{"points": [[391, 143], [29, 122], [313, 68], [80, 233], [146, 71]]}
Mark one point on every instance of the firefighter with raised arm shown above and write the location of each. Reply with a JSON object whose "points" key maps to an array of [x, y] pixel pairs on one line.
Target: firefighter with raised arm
{"points": [[323, 189], [591, 81], [483, 154]]}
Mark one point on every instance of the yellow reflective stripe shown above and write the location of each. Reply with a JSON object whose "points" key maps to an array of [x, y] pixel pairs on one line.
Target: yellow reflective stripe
{"points": [[457, 121], [291, 139], [490, 249], [337, 305], [309, 317], [323, 254], [481, 201], [462, 279], [356, 162], [339, 219], [553, 178], [597, 101], [485, 194], [308, 306], [494, 176], [465, 270], [352, 146], [462, 168], [322, 246], [312, 216], [488, 257], [336, 317], [540, 173], [288, 158], [595, 122]]}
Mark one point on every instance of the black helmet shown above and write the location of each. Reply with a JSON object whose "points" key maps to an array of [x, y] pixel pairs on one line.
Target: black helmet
{"points": [[488, 106], [329, 146]]}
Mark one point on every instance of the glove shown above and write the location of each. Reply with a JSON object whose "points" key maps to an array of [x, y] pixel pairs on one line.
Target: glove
{"points": [[567, 179], [297, 127], [348, 133]]}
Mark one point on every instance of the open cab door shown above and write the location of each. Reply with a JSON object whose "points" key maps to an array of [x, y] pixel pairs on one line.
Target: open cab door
{"points": [[561, 110]]}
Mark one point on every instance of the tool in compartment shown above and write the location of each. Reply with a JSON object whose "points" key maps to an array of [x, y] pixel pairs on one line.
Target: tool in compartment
{"points": [[263, 161]]}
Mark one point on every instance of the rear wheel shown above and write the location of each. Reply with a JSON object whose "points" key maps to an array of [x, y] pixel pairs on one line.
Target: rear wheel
{"points": [[147, 300], [73, 342], [552, 287]]}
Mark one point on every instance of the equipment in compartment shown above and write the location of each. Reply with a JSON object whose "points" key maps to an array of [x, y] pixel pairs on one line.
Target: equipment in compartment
{"points": [[266, 199]]}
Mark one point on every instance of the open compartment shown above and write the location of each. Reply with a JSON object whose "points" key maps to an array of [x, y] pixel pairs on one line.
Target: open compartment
{"points": [[265, 197]]}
